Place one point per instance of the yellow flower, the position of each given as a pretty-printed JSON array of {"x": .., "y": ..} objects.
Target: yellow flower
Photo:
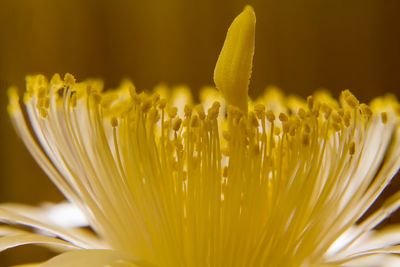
[{"x": 162, "y": 181}]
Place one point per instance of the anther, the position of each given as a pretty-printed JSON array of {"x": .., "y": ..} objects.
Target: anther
[
  {"x": 259, "y": 109},
  {"x": 366, "y": 110},
  {"x": 162, "y": 103},
  {"x": 200, "y": 111},
  {"x": 41, "y": 92},
  {"x": 176, "y": 124},
  {"x": 305, "y": 139},
  {"x": 336, "y": 126},
  {"x": 187, "y": 110},
  {"x": 146, "y": 105},
  {"x": 56, "y": 80},
  {"x": 307, "y": 128},
  {"x": 156, "y": 98},
  {"x": 96, "y": 98},
  {"x": 352, "y": 148},
  {"x": 316, "y": 108},
  {"x": 253, "y": 119},
  {"x": 347, "y": 118},
  {"x": 336, "y": 117},
  {"x": 172, "y": 111},
  {"x": 255, "y": 150},
  {"x": 225, "y": 151},
  {"x": 270, "y": 116},
  {"x": 45, "y": 102},
  {"x": 277, "y": 131},
  {"x": 293, "y": 129},
  {"x": 216, "y": 105},
  {"x": 153, "y": 115},
  {"x": 397, "y": 110},
  {"x": 195, "y": 122},
  {"x": 302, "y": 113},
  {"x": 213, "y": 113},
  {"x": 283, "y": 117},
  {"x": 327, "y": 111},
  {"x": 286, "y": 126},
  {"x": 114, "y": 122},
  {"x": 384, "y": 117},
  {"x": 350, "y": 99},
  {"x": 43, "y": 112},
  {"x": 69, "y": 80}
]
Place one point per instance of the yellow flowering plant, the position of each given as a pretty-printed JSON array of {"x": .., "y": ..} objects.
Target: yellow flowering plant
[{"x": 166, "y": 182}]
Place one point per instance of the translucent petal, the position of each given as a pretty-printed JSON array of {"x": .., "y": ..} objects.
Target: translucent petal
[
  {"x": 62, "y": 214},
  {"x": 74, "y": 236},
  {"x": 84, "y": 258},
  {"x": 25, "y": 239}
]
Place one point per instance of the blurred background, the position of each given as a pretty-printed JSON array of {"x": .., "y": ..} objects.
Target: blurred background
[{"x": 300, "y": 46}]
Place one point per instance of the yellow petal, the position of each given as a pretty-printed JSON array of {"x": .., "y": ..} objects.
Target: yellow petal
[{"x": 233, "y": 69}]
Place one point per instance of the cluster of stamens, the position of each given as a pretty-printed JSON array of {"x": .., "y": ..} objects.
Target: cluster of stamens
[{"x": 202, "y": 171}]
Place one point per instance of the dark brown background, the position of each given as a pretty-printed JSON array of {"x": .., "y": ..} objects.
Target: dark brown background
[{"x": 301, "y": 45}]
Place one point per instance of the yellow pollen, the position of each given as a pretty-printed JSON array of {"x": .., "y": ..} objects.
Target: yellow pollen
[
  {"x": 96, "y": 97},
  {"x": 259, "y": 109},
  {"x": 350, "y": 99},
  {"x": 195, "y": 122},
  {"x": 114, "y": 122},
  {"x": 286, "y": 126},
  {"x": 176, "y": 124},
  {"x": 172, "y": 112},
  {"x": 200, "y": 111},
  {"x": 69, "y": 80},
  {"x": 305, "y": 139},
  {"x": 336, "y": 127},
  {"x": 283, "y": 117},
  {"x": 384, "y": 117},
  {"x": 43, "y": 112},
  {"x": 270, "y": 116},
  {"x": 336, "y": 117},
  {"x": 366, "y": 110},
  {"x": 188, "y": 111},
  {"x": 302, "y": 113},
  {"x": 352, "y": 148},
  {"x": 277, "y": 131},
  {"x": 162, "y": 103}
]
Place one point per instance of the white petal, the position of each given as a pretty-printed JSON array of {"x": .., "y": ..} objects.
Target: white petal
[
  {"x": 63, "y": 214},
  {"x": 375, "y": 261},
  {"x": 373, "y": 240},
  {"x": 343, "y": 241},
  {"x": 25, "y": 239},
  {"x": 75, "y": 236},
  {"x": 86, "y": 258},
  {"x": 363, "y": 254}
]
